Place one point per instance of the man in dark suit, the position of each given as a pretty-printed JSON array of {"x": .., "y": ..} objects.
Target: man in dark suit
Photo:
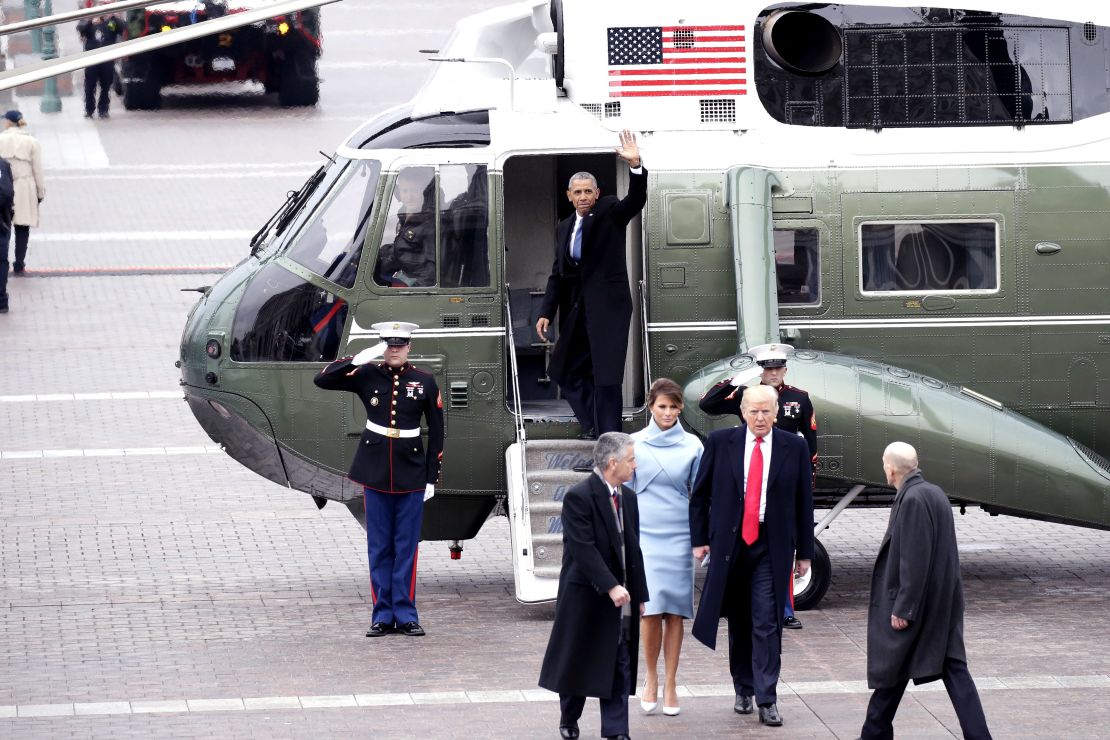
[
  {"x": 795, "y": 414},
  {"x": 602, "y": 590},
  {"x": 588, "y": 288},
  {"x": 752, "y": 507},
  {"x": 915, "y": 621}
]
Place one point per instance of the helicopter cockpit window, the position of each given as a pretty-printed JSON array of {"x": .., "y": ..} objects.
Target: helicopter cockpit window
[
  {"x": 797, "y": 266},
  {"x": 435, "y": 233},
  {"x": 407, "y": 258},
  {"x": 463, "y": 219},
  {"x": 284, "y": 318},
  {"x": 946, "y": 257},
  {"x": 330, "y": 245}
]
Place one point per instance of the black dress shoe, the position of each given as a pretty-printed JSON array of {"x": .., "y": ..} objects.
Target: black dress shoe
[
  {"x": 792, "y": 623},
  {"x": 743, "y": 705},
  {"x": 379, "y": 629},
  {"x": 568, "y": 730},
  {"x": 617, "y": 737},
  {"x": 590, "y": 435},
  {"x": 769, "y": 715},
  {"x": 412, "y": 629}
]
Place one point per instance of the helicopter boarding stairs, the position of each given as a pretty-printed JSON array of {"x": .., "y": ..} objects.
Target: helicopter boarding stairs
[{"x": 539, "y": 473}]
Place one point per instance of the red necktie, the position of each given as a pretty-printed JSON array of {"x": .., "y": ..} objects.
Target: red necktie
[{"x": 750, "y": 529}]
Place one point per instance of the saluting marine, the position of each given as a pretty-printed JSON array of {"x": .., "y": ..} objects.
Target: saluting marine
[
  {"x": 392, "y": 465},
  {"x": 795, "y": 411}
]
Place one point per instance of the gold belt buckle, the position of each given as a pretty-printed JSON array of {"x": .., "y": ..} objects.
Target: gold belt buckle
[{"x": 393, "y": 433}]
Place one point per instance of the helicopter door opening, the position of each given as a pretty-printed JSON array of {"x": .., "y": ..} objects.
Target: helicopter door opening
[{"x": 534, "y": 202}]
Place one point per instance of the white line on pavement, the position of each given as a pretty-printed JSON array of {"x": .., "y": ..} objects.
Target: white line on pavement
[
  {"x": 105, "y": 396},
  {"x": 143, "y": 236},
  {"x": 111, "y": 452},
  {"x": 507, "y": 696}
]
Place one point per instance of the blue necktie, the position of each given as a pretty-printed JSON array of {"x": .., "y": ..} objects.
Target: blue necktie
[{"x": 576, "y": 241}]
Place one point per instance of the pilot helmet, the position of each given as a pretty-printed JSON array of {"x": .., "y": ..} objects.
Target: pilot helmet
[{"x": 395, "y": 333}]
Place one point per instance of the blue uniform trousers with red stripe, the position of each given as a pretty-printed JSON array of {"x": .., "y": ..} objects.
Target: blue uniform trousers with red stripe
[{"x": 392, "y": 538}]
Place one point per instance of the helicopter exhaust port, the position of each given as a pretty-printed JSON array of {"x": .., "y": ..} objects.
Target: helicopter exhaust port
[
  {"x": 802, "y": 42},
  {"x": 456, "y": 549}
]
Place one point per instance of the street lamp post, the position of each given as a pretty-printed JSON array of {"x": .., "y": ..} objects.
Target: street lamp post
[
  {"x": 31, "y": 10},
  {"x": 50, "y": 103}
]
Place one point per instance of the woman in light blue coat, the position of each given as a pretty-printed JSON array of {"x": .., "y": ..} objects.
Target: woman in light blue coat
[{"x": 667, "y": 459}]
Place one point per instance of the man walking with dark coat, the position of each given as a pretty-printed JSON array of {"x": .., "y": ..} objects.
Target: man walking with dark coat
[
  {"x": 602, "y": 589},
  {"x": 588, "y": 288},
  {"x": 751, "y": 510},
  {"x": 915, "y": 622}
]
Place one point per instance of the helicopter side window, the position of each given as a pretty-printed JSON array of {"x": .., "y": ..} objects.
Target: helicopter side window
[
  {"x": 948, "y": 257},
  {"x": 407, "y": 258},
  {"x": 284, "y": 318},
  {"x": 463, "y": 218},
  {"x": 797, "y": 266},
  {"x": 331, "y": 244}
]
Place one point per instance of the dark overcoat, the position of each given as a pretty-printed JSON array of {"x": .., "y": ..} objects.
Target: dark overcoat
[
  {"x": 593, "y": 296},
  {"x": 916, "y": 577},
  {"x": 717, "y": 505},
  {"x": 582, "y": 651}
]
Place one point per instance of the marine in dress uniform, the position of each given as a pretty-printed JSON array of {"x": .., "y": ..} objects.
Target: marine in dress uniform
[
  {"x": 795, "y": 412},
  {"x": 397, "y": 472}
]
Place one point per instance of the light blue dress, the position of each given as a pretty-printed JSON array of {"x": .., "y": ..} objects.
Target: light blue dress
[{"x": 666, "y": 462}]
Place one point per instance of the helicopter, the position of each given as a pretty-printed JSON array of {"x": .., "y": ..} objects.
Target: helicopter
[{"x": 916, "y": 198}]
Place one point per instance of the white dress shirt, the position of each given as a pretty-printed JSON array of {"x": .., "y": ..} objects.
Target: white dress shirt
[{"x": 765, "y": 448}]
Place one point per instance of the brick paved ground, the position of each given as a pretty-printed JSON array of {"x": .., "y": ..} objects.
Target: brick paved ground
[{"x": 179, "y": 595}]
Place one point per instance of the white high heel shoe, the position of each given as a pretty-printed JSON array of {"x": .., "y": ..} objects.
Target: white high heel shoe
[
  {"x": 672, "y": 711},
  {"x": 647, "y": 706}
]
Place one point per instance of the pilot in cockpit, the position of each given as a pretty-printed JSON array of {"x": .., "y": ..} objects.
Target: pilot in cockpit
[{"x": 410, "y": 260}]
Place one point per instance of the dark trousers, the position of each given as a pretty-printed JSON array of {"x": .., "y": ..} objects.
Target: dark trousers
[
  {"x": 961, "y": 690},
  {"x": 22, "y": 235},
  {"x": 597, "y": 408},
  {"x": 614, "y": 710},
  {"x": 392, "y": 540},
  {"x": 98, "y": 74},
  {"x": 754, "y": 629},
  {"x": 5, "y": 238}
]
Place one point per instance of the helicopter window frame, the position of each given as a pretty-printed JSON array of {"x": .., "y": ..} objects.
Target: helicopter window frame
[
  {"x": 814, "y": 277},
  {"x": 373, "y": 169},
  {"x": 444, "y": 203},
  {"x": 995, "y": 260}
]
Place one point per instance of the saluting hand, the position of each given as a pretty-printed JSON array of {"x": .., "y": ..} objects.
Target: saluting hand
[{"x": 629, "y": 150}]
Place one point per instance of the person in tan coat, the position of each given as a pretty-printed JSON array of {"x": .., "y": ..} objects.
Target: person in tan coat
[{"x": 22, "y": 152}]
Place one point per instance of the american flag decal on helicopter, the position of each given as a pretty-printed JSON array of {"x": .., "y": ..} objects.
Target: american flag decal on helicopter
[{"x": 664, "y": 61}]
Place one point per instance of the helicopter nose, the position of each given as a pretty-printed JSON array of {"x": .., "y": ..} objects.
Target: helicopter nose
[{"x": 232, "y": 422}]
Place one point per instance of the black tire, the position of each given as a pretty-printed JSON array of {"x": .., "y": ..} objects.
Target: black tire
[
  {"x": 298, "y": 83},
  {"x": 809, "y": 591},
  {"x": 142, "y": 89}
]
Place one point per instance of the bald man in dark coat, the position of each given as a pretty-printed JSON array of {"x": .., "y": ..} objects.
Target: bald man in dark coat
[{"x": 915, "y": 622}]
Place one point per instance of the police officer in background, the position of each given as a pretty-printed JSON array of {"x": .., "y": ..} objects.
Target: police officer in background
[
  {"x": 95, "y": 33},
  {"x": 393, "y": 466},
  {"x": 795, "y": 412}
]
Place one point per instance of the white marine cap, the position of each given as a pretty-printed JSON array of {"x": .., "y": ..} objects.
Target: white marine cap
[
  {"x": 395, "y": 332},
  {"x": 771, "y": 355}
]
